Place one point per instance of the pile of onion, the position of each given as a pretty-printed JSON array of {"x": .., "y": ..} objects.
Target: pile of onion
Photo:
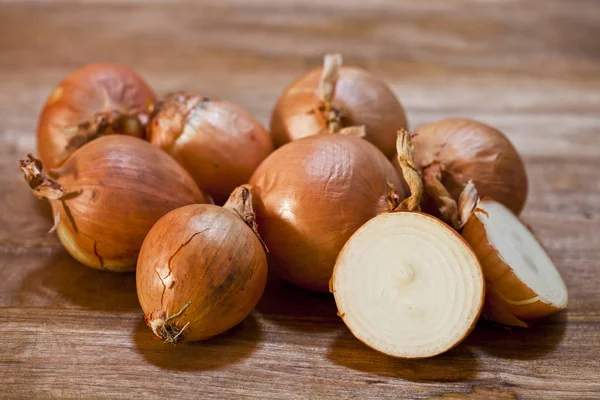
[
  {"x": 405, "y": 283},
  {"x": 202, "y": 269},
  {"x": 452, "y": 152},
  {"x": 522, "y": 282},
  {"x": 98, "y": 99},
  {"x": 312, "y": 194},
  {"x": 108, "y": 194},
  {"x": 332, "y": 97},
  {"x": 217, "y": 142}
]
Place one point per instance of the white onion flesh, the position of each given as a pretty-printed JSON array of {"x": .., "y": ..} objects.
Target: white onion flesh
[{"x": 407, "y": 285}]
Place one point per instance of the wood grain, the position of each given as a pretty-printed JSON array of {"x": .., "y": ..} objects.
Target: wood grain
[{"x": 530, "y": 68}]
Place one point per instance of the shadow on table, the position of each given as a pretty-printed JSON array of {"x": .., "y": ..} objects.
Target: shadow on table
[
  {"x": 520, "y": 343},
  {"x": 458, "y": 364},
  {"x": 298, "y": 309},
  {"x": 63, "y": 281},
  {"x": 228, "y": 348}
]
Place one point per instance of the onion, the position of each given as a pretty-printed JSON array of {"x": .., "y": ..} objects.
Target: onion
[
  {"x": 452, "y": 152},
  {"x": 202, "y": 269},
  {"x": 405, "y": 283},
  {"x": 311, "y": 195},
  {"x": 523, "y": 283},
  {"x": 217, "y": 142},
  {"x": 95, "y": 100},
  {"x": 332, "y": 97},
  {"x": 107, "y": 196}
]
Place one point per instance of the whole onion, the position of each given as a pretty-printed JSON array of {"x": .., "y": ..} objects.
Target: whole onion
[
  {"x": 202, "y": 269},
  {"x": 94, "y": 100},
  {"x": 452, "y": 152},
  {"x": 333, "y": 97},
  {"x": 310, "y": 197},
  {"x": 217, "y": 142},
  {"x": 107, "y": 196}
]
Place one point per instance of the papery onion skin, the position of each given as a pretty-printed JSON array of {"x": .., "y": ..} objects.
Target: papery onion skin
[
  {"x": 503, "y": 283},
  {"x": 86, "y": 92},
  {"x": 119, "y": 186},
  {"x": 311, "y": 195},
  {"x": 362, "y": 98},
  {"x": 217, "y": 142},
  {"x": 205, "y": 255},
  {"x": 470, "y": 150}
]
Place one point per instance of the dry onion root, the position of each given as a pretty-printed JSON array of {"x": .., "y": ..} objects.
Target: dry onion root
[
  {"x": 312, "y": 194},
  {"x": 405, "y": 283},
  {"x": 108, "y": 194},
  {"x": 522, "y": 282},
  {"x": 95, "y": 100},
  {"x": 202, "y": 269},
  {"x": 333, "y": 97},
  {"x": 217, "y": 142},
  {"x": 452, "y": 152}
]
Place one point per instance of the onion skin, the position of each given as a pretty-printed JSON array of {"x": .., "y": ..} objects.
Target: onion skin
[
  {"x": 362, "y": 98},
  {"x": 80, "y": 97},
  {"x": 205, "y": 255},
  {"x": 469, "y": 150},
  {"x": 311, "y": 195},
  {"x": 503, "y": 283},
  {"x": 118, "y": 187},
  {"x": 217, "y": 142}
]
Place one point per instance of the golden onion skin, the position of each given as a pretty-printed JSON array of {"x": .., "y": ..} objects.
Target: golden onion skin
[
  {"x": 86, "y": 92},
  {"x": 469, "y": 150},
  {"x": 362, "y": 98},
  {"x": 311, "y": 195}
]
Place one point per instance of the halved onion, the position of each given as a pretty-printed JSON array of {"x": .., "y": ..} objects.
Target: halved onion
[{"x": 523, "y": 283}]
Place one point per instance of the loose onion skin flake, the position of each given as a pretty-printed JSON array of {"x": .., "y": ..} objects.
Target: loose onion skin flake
[
  {"x": 217, "y": 142},
  {"x": 523, "y": 283},
  {"x": 201, "y": 270},
  {"x": 108, "y": 194},
  {"x": 452, "y": 152},
  {"x": 92, "y": 101},
  {"x": 333, "y": 97},
  {"x": 311, "y": 195},
  {"x": 405, "y": 283}
]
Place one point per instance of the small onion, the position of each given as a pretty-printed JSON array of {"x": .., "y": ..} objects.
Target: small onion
[
  {"x": 202, "y": 269},
  {"x": 405, "y": 283},
  {"x": 108, "y": 194},
  {"x": 332, "y": 97},
  {"x": 311, "y": 195},
  {"x": 452, "y": 152},
  {"x": 217, "y": 142},
  {"x": 95, "y": 100}
]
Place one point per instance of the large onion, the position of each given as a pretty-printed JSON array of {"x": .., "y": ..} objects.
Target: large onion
[
  {"x": 95, "y": 100},
  {"x": 107, "y": 196},
  {"x": 217, "y": 142},
  {"x": 311, "y": 195},
  {"x": 333, "y": 97},
  {"x": 452, "y": 152},
  {"x": 201, "y": 270}
]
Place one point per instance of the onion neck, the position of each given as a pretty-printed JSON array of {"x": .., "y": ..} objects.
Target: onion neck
[
  {"x": 41, "y": 184},
  {"x": 406, "y": 150},
  {"x": 432, "y": 176},
  {"x": 240, "y": 202},
  {"x": 326, "y": 114}
]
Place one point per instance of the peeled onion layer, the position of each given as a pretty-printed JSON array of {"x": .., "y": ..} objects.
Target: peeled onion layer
[
  {"x": 524, "y": 282},
  {"x": 201, "y": 271},
  {"x": 408, "y": 286}
]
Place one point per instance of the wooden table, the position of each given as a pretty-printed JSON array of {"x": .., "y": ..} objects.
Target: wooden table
[{"x": 531, "y": 68}]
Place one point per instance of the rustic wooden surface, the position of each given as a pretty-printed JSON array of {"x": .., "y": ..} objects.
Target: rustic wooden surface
[{"x": 531, "y": 68}]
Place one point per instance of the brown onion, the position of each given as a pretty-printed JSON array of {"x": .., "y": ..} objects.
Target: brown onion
[
  {"x": 107, "y": 196},
  {"x": 405, "y": 283},
  {"x": 311, "y": 195},
  {"x": 95, "y": 100},
  {"x": 332, "y": 97},
  {"x": 452, "y": 152},
  {"x": 217, "y": 142},
  {"x": 201, "y": 270}
]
